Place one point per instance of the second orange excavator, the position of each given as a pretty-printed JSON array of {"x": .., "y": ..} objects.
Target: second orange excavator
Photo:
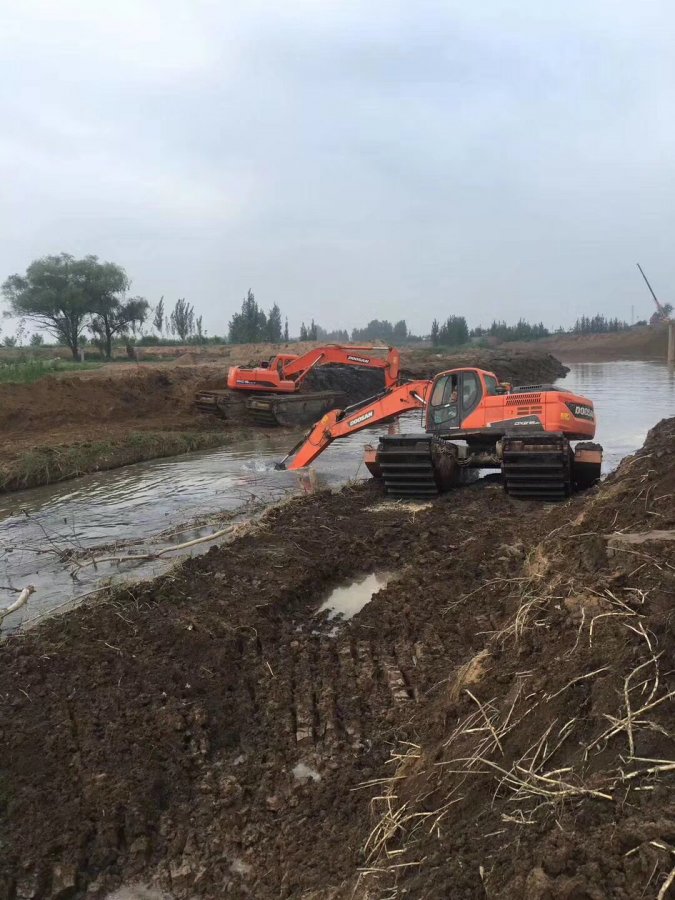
[
  {"x": 472, "y": 421},
  {"x": 277, "y": 385}
]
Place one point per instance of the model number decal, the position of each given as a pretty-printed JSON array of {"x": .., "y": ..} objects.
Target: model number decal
[
  {"x": 363, "y": 418},
  {"x": 360, "y": 359}
]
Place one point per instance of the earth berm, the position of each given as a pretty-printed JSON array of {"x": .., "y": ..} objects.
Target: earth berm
[{"x": 496, "y": 722}]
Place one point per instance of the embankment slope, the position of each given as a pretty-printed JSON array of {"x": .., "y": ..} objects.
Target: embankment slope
[
  {"x": 640, "y": 342},
  {"x": 496, "y": 720}
]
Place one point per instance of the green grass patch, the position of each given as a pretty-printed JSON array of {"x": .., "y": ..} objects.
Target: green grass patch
[
  {"x": 47, "y": 465},
  {"x": 31, "y": 370}
]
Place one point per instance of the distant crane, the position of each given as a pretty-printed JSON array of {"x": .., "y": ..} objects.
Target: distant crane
[
  {"x": 662, "y": 313},
  {"x": 662, "y": 317}
]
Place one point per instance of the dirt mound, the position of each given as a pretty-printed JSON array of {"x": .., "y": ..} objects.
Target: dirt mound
[
  {"x": 518, "y": 367},
  {"x": 357, "y": 384},
  {"x": 74, "y": 400}
]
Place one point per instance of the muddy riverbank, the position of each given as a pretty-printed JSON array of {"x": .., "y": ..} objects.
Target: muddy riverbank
[
  {"x": 641, "y": 342},
  {"x": 67, "y": 425},
  {"x": 495, "y": 721}
]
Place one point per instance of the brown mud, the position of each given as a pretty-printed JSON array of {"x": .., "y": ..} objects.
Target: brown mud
[
  {"x": 65, "y": 425},
  {"x": 496, "y": 722}
]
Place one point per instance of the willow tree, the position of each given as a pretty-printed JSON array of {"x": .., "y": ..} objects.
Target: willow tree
[
  {"x": 52, "y": 294},
  {"x": 63, "y": 295}
]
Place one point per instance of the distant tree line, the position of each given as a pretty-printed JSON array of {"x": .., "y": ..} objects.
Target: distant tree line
[
  {"x": 382, "y": 330},
  {"x": 521, "y": 331},
  {"x": 82, "y": 300},
  {"x": 252, "y": 325},
  {"x": 452, "y": 333},
  {"x": 598, "y": 324}
]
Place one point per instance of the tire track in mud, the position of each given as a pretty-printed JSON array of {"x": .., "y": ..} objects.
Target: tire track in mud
[{"x": 221, "y": 686}]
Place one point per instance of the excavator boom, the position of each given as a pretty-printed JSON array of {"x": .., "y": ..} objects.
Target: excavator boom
[
  {"x": 286, "y": 372},
  {"x": 340, "y": 423}
]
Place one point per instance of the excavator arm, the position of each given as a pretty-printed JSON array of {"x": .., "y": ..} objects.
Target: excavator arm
[
  {"x": 341, "y": 423},
  {"x": 285, "y": 373},
  {"x": 299, "y": 368}
]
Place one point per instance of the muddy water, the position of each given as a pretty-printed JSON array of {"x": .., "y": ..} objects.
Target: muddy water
[
  {"x": 152, "y": 505},
  {"x": 144, "y": 508}
]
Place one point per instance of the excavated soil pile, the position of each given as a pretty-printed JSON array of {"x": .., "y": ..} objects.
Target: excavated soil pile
[
  {"x": 357, "y": 384},
  {"x": 494, "y": 722},
  {"x": 519, "y": 367},
  {"x": 61, "y": 427}
]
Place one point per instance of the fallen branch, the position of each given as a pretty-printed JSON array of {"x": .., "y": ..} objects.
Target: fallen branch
[
  {"x": 172, "y": 548},
  {"x": 20, "y": 601}
]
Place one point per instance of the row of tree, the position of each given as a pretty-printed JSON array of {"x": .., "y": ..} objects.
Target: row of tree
[
  {"x": 521, "y": 331},
  {"x": 252, "y": 325},
  {"x": 181, "y": 322},
  {"x": 65, "y": 297},
  {"x": 598, "y": 325},
  {"x": 452, "y": 333}
]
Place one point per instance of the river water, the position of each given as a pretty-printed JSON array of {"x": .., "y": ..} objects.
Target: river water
[{"x": 152, "y": 505}]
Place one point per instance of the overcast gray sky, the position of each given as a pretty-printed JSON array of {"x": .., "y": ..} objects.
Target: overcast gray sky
[{"x": 347, "y": 160}]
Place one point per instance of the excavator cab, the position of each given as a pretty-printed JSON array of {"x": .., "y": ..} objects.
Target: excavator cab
[{"x": 454, "y": 396}]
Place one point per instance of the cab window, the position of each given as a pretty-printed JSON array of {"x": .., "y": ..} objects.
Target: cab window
[
  {"x": 470, "y": 389},
  {"x": 444, "y": 407},
  {"x": 491, "y": 385},
  {"x": 445, "y": 388}
]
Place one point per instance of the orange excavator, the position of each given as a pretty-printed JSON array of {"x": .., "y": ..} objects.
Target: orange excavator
[
  {"x": 276, "y": 385},
  {"x": 472, "y": 421}
]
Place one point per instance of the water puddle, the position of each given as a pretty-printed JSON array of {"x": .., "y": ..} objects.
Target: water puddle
[{"x": 347, "y": 600}]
